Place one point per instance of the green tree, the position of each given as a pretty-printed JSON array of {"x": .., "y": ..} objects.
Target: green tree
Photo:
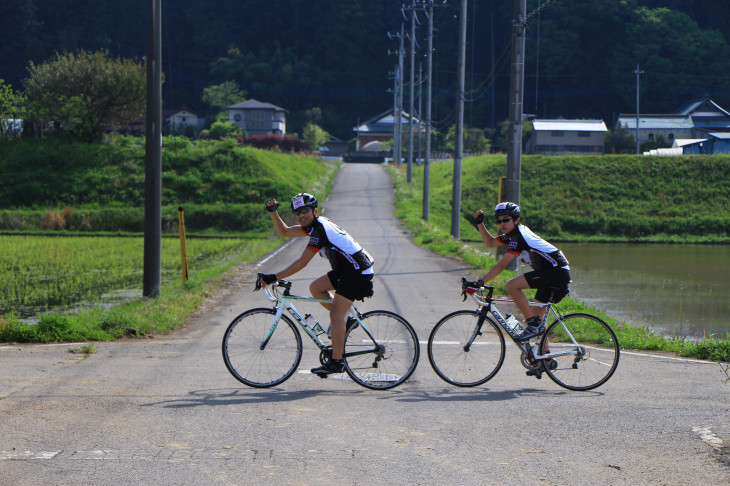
[
  {"x": 86, "y": 92},
  {"x": 619, "y": 141},
  {"x": 221, "y": 96},
  {"x": 11, "y": 107},
  {"x": 315, "y": 136},
  {"x": 222, "y": 129}
]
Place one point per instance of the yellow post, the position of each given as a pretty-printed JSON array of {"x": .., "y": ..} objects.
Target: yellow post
[{"x": 183, "y": 251}]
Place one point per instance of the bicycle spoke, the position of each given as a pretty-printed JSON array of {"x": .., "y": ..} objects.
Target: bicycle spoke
[
  {"x": 455, "y": 360},
  {"x": 391, "y": 359},
  {"x": 254, "y": 366},
  {"x": 593, "y": 363}
]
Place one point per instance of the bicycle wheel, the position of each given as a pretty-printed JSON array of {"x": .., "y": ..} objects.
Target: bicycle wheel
[
  {"x": 383, "y": 352},
  {"x": 458, "y": 364},
  {"x": 589, "y": 365},
  {"x": 258, "y": 366}
]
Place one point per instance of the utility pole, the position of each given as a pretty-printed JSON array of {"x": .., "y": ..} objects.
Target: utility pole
[
  {"x": 456, "y": 190},
  {"x": 429, "y": 71},
  {"x": 398, "y": 99},
  {"x": 517, "y": 83},
  {"x": 153, "y": 155},
  {"x": 410, "y": 93},
  {"x": 638, "y": 73}
]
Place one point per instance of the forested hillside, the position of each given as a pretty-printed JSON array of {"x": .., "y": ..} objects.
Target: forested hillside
[{"x": 335, "y": 54}]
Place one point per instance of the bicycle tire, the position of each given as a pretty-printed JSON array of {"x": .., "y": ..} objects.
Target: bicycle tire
[
  {"x": 393, "y": 357},
  {"x": 457, "y": 365},
  {"x": 599, "y": 352},
  {"x": 256, "y": 367}
]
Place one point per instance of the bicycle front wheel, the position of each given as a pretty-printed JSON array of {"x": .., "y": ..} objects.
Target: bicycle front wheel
[
  {"x": 383, "y": 352},
  {"x": 587, "y": 365},
  {"x": 463, "y": 355},
  {"x": 258, "y": 361}
]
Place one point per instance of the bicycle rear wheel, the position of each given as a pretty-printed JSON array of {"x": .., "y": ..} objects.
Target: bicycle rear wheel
[
  {"x": 459, "y": 364},
  {"x": 591, "y": 363},
  {"x": 254, "y": 362},
  {"x": 383, "y": 352}
]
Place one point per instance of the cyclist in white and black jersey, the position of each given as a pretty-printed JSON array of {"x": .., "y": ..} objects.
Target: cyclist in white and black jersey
[
  {"x": 550, "y": 267},
  {"x": 352, "y": 268}
]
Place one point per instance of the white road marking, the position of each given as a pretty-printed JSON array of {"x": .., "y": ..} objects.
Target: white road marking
[
  {"x": 273, "y": 254},
  {"x": 708, "y": 437}
]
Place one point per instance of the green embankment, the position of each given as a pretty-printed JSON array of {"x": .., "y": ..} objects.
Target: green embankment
[
  {"x": 61, "y": 189},
  {"x": 597, "y": 198}
]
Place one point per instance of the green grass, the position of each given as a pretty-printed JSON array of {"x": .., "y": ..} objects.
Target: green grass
[
  {"x": 147, "y": 316},
  {"x": 594, "y": 198},
  {"x": 435, "y": 235}
]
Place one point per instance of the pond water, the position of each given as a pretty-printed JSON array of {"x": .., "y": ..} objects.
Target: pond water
[{"x": 676, "y": 290}]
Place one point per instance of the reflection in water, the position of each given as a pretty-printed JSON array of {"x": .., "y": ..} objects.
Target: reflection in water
[{"x": 678, "y": 290}]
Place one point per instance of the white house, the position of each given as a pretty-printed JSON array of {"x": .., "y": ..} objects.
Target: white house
[
  {"x": 258, "y": 118},
  {"x": 561, "y": 137},
  {"x": 177, "y": 121}
]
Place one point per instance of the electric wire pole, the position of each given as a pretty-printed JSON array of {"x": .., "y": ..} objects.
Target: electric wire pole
[
  {"x": 411, "y": 91},
  {"x": 429, "y": 71},
  {"x": 517, "y": 82},
  {"x": 638, "y": 73},
  {"x": 153, "y": 155},
  {"x": 456, "y": 189}
]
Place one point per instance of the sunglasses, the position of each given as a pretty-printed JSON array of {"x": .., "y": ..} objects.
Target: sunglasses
[
  {"x": 505, "y": 220},
  {"x": 301, "y": 211}
]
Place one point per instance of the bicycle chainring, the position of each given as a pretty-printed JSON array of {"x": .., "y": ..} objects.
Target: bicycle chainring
[
  {"x": 325, "y": 356},
  {"x": 532, "y": 366}
]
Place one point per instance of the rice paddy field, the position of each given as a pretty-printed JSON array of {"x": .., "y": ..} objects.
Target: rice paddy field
[{"x": 61, "y": 274}]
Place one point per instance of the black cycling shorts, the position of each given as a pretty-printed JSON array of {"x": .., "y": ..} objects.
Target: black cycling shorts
[
  {"x": 545, "y": 280},
  {"x": 351, "y": 285}
]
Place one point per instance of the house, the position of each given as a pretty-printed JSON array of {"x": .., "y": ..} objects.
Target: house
[
  {"x": 694, "y": 120},
  {"x": 258, "y": 118},
  {"x": 561, "y": 137},
  {"x": 715, "y": 143},
  {"x": 182, "y": 120},
  {"x": 380, "y": 128},
  {"x": 334, "y": 147}
]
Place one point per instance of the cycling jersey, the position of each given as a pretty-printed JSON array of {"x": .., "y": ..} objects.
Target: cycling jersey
[
  {"x": 533, "y": 250},
  {"x": 341, "y": 249}
]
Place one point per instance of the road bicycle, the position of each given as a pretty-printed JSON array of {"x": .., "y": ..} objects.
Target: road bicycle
[
  {"x": 262, "y": 347},
  {"x": 466, "y": 348}
]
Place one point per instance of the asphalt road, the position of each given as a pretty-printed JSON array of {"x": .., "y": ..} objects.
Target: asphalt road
[{"x": 165, "y": 410}]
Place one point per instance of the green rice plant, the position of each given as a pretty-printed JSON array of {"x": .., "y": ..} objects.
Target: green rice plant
[{"x": 40, "y": 273}]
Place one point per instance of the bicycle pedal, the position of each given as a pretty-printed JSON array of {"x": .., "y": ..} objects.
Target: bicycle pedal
[{"x": 535, "y": 373}]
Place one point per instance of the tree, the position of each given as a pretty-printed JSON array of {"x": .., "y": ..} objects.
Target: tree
[
  {"x": 221, "y": 96},
  {"x": 11, "y": 108},
  {"x": 315, "y": 136},
  {"x": 619, "y": 141},
  {"x": 222, "y": 129},
  {"x": 86, "y": 92}
]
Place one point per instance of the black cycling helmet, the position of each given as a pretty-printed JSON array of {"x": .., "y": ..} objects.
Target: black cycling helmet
[
  {"x": 302, "y": 200},
  {"x": 507, "y": 208}
]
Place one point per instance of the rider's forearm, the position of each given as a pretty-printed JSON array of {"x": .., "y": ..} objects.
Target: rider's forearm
[
  {"x": 489, "y": 240},
  {"x": 279, "y": 225}
]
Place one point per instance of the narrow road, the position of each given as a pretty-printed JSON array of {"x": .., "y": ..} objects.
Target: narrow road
[{"x": 164, "y": 410}]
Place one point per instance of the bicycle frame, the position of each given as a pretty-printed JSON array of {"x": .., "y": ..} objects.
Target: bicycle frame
[
  {"x": 486, "y": 306},
  {"x": 283, "y": 301}
]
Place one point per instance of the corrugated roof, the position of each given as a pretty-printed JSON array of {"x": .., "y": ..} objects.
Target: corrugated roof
[
  {"x": 648, "y": 122},
  {"x": 255, "y": 105},
  {"x": 570, "y": 125}
]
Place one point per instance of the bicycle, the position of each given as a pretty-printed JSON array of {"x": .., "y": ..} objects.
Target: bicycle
[
  {"x": 262, "y": 347},
  {"x": 466, "y": 348}
]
